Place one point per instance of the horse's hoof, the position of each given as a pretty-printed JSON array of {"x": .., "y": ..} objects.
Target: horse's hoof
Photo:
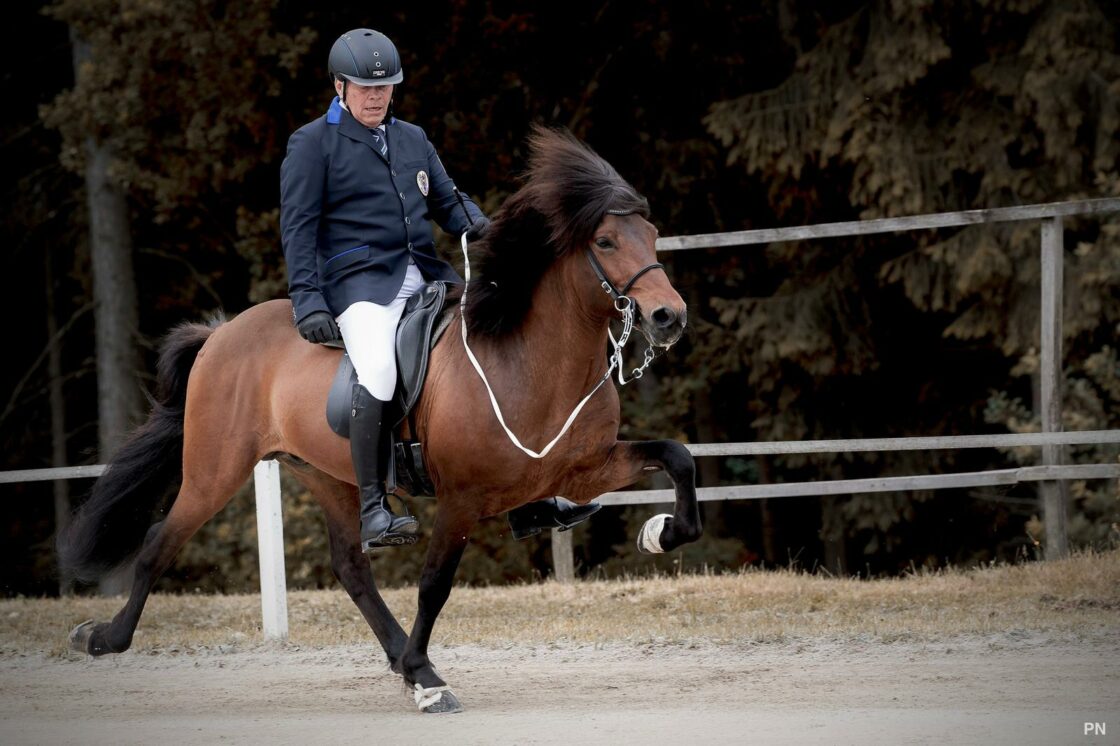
[
  {"x": 649, "y": 539},
  {"x": 80, "y": 636},
  {"x": 436, "y": 700}
]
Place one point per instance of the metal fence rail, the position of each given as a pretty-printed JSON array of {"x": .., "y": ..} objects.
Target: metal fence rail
[
  {"x": 946, "y": 442},
  {"x": 46, "y": 475},
  {"x": 890, "y": 225},
  {"x": 874, "y": 484}
]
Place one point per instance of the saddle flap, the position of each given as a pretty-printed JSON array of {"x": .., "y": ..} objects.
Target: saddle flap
[{"x": 415, "y": 342}]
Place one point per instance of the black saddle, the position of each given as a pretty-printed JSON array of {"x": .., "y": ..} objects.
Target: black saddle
[{"x": 421, "y": 326}]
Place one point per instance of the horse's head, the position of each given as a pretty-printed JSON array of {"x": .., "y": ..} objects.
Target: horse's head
[
  {"x": 573, "y": 206},
  {"x": 622, "y": 253}
]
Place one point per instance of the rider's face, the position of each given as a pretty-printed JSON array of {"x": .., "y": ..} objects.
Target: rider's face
[{"x": 368, "y": 103}]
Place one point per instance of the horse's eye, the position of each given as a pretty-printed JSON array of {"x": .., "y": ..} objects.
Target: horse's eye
[{"x": 604, "y": 243}]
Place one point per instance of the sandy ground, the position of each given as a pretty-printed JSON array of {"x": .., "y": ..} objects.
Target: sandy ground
[{"x": 1015, "y": 687}]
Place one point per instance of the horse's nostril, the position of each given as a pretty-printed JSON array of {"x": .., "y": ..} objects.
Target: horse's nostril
[{"x": 664, "y": 317}]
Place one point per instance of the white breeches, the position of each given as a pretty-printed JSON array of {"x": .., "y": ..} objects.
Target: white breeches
[{"x": 369, "y": 331}]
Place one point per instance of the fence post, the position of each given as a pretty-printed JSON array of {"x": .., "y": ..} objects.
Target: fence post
[
  {"x": 270, "y": 544},
  {"x": 563, "y": 558},
  {"x": 1054, "y": 494}
]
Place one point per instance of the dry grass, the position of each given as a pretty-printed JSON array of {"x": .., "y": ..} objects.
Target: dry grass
[{"x": 1080, "y": 595}]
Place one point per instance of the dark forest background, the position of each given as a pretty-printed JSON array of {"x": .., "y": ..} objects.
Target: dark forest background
[{"x": 173, "y": 116}]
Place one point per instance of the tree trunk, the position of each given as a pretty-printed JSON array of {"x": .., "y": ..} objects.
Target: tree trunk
[
  {"x": 114, "y": 296},
  {"x": 116, "y": 320}
]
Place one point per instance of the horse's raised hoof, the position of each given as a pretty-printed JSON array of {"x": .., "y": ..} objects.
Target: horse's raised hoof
[
  {"x": 649, "y": 539},
  {"x": 436, "y": 700},
  {"x": 80, "y": 636}
]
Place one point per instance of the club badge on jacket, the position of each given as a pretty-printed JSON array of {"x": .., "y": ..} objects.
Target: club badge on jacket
[{"x": 422, "y": 182}]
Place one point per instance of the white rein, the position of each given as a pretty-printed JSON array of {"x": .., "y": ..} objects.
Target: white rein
[{"x": 625, "y": 308}]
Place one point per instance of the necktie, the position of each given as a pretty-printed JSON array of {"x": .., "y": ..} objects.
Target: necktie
[{"x": 381, "y": 141}]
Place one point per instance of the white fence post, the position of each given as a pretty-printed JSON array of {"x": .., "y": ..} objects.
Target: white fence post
[{"x": 270, "y": 543}]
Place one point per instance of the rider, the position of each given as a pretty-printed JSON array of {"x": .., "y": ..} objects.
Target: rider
[{"x": 357, "y": 188}]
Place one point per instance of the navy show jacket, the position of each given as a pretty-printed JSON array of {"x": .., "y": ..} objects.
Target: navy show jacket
[{"x": 350, "y": 218}]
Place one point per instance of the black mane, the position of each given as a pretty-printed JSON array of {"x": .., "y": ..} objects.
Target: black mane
[{"x": 565, "y": 195}]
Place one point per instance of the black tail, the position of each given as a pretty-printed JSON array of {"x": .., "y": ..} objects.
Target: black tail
[{"x": 110, "y": 525}]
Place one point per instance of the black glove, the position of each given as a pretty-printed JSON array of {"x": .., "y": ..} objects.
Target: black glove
[
  {"x": 318, "y": 327},
  {"x": 478, "y": 229}
]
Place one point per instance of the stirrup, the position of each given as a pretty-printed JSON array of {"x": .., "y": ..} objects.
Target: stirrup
[
  {"x": 401, "y": 531},
  {"x": 388, "y": 540}
]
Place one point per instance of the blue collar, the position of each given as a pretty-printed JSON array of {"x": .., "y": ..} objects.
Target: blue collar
[{"x": 334, "y": 113}]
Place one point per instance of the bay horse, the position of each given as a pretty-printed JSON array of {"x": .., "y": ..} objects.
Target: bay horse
[{"x": 232, "y": 393}]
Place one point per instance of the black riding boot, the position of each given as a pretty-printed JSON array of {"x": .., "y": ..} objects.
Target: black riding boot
[
  {"x": 368, "y": 449},
  {"x": 554, "y": 512}
]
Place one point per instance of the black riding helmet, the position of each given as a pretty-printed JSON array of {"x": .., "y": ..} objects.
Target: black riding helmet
[{"x": 365, "y": 57}]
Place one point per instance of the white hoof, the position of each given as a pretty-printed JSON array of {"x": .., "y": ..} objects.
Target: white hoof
[
  {"x": 79, "y": 637},
  {"x": 649, "y": 540},
  {"x": 436, "y": 700}
]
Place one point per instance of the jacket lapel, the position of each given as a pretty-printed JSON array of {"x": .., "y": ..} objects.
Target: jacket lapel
[{"x": 352, "y": 128}]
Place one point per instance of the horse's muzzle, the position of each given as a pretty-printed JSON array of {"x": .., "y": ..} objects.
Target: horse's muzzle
[{"x": 664, "y": 325}]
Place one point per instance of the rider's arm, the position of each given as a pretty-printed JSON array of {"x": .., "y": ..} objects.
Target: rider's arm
[
  {"x": 442, "y": 202},
  {"x": 302, "y": 178}
]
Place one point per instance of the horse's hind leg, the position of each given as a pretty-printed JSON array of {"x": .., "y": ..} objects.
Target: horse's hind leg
[
  {"x": 206, "y": 489},
  {"x": 449, "y": 539},
  {"x": 339, "y": 501}
]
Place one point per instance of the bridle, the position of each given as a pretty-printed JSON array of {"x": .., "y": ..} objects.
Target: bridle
[
  {"x": 605, "y": 282},
  {"x": 622, "y": 303}
]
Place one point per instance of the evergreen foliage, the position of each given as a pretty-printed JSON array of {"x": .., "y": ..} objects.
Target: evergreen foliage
[{"x": 915, "y": 107}]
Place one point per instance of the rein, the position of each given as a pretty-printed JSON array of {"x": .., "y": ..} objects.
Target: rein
[{"x": 622, "y": 303}]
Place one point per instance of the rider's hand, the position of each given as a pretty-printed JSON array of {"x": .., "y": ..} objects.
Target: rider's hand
[
  {"x": 318, "y": 327},
  {"x": 478, "y": 229}
]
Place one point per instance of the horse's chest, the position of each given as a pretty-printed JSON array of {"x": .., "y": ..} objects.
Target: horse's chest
[{"x": 572, "y": 477}]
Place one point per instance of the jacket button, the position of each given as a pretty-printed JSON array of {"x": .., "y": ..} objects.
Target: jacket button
[
  {"x": 410, "y": 246},
  {"x": 408, "y": 221},
  {"x": 402, "y": 196},
  {"x": 394, "y": 173}
]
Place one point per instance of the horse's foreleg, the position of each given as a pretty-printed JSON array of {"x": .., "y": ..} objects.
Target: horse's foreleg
[
  {"x": 339, "y": 501},
  {"x": 449, "y": 539},
  {"x": 662, "y": 533}
]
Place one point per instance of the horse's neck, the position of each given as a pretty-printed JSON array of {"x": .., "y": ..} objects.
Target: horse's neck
[{"x": 557, "y": 354}]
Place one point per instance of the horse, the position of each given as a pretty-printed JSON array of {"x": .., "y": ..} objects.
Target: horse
[{"x": 537, "y": 320}]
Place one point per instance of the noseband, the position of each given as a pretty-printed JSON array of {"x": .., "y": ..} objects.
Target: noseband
[{"x": 608, "y": 286}]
